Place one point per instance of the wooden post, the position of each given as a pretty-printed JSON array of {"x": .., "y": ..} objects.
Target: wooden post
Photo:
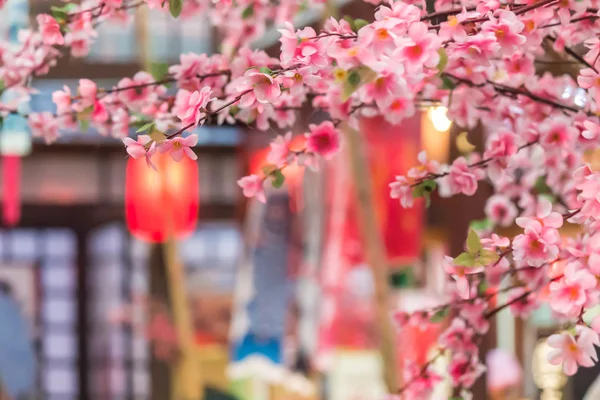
[
  {"x": 375, "y": 254},
  {"x": 187, "y": 379}
]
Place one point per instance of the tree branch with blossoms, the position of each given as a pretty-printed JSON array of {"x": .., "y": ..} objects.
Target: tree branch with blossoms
[{"x": 481, "y": 61}]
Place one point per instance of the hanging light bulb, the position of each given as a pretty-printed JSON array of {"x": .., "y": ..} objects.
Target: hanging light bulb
[{"x": 438, "y": 118}]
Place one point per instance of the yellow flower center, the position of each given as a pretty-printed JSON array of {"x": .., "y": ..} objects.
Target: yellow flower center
[
  {"x": 452, "y": 21},
  {"x": 340, "y": 74},
  {"x": 382, "y": 34}
]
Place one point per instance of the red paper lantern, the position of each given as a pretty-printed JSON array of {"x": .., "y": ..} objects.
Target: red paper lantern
[
  {"x": 11, "y": 182},
  {"x": 392, "y": 150},
  {"x": 161, "y": 203}
]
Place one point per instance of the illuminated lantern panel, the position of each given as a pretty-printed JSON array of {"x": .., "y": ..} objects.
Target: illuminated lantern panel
[
  {"x": 392, "y": 150},
  {"x": 164, "y": 202},
  {"x": 11, "y": 179}
]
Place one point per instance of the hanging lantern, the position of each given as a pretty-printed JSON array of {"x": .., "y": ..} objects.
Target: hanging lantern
[
  {"x": 11, "y": 181},
  {"x": 164, "y": 202},
  {"x": 392, "y": 150}
]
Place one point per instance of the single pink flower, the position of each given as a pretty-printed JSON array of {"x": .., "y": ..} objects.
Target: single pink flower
[
  {"x": 280, "y": 153},
  {"x": 544, "y": 217},
  {"x": 88, "y": 91},
  {"x": 572, "y": 293},
  {"x": 252, "y": 186},
  {"x": 501, "y": 210},
  {"x": 50, "y": 30},
  {"x": 99, "y": 114},
  {"x": 536, "y": 245},
  {"x": 179, "y": 147},
  {"x": 190, "y": 108},
  {"x": 573, "y": 351},
  {"x": 419, "y": 47},
  {"x": 62, "y": 99},
  {"x": 462, "y": 178},
  {"x": 323, "y": 139},
  {"x": 301, "y": 47},
  {"x": 401, "y": 189},
  {"x": 507, "y": 29},
  {"x": 264, "y": 88},
  {"x": 144, "y": 146}
]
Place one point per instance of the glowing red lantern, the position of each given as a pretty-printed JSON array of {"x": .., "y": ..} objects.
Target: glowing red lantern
[
  {"x": 392, "y": 150},
  {"x": 163, "y": 203},
  {"x": 11, "y": 182}
]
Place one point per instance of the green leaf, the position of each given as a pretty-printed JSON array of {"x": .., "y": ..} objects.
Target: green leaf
[
  {"x": 473, "y": 242},
  {"x": 429, "y": 185},
  {"x": 482, "y": 224},
  {"x": 443, "y": 60},
  {"x": 145, "y": 127},
  {"x": 175, "y": 7},
  {"x": 439, "y": 315},
  {"x": 359, "y": 23},
  {"x": 269, "y": 169},
  {"x": 84, "y": 125},
  {"x": 447, "y": 83},
  {"x": 465, "y": 260},
  {"x": 265, "y": 70},
  {"x": 541, "y": 186},
  {"x": 277, "y": 178},
  {"x": 60, "y": 16},
  {"x": 159, "y": 71},
  {"x": 487, "y": 257},
  {"x": 348, "y": 19},
  {"x": 356, "y": 78},
  {"x": 248, "y": 12}
]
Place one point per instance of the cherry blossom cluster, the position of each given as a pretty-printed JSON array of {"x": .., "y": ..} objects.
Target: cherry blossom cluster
[{"x": 482, "y": 60}]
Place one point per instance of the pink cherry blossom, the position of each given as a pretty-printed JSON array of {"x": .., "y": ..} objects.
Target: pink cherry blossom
[
  {"x": 501, "y": 210},
  {"x": 300, "y": 47},
  {"x": 401, "y": 189},
  {"x": 142, "y": 90},
  {"x": 252, "y": 186},
  {"x": 144, "y": 146},
  {"x": 323, "y": 139},
  {"x": 44, "y": 125},
  {"x": 280, "y": 153},
  {"x": 573, "y": 351},
  {"x": 570, "y": 294},
  {"x": 190, "y": 108},
  {"x": 50, "y": 30},
  {"x": 506, "y": 28},
  {"x": 62, "y": 99},
  {"x": 264, "y": 88},
  {"x": 536, "y": 245},
  {"x": 462, "y": 178},
  {"x": 465, "y": 369},
  {"x": 522, "y": 302},
  {"x": 425, "y": 168},
  {"x": 423, "y": 382},
  {"x": 179, "y": 147},
  {"x": 459, "y": 273},
  {"x": 458, "y": 337},
  {"x": 88, "y": 91},
  {"x": 419, "y": 48},
  {"x": 474, "y": 313}
]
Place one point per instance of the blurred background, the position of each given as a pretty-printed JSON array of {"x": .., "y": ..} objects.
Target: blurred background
[{"x": 279, "y": 296}]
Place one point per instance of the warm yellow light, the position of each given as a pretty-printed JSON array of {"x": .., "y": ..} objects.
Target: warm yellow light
[{"x": 438, "y": 118}]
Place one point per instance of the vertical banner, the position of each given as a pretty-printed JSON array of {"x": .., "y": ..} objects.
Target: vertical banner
[{"x": 264, "y": 295}]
